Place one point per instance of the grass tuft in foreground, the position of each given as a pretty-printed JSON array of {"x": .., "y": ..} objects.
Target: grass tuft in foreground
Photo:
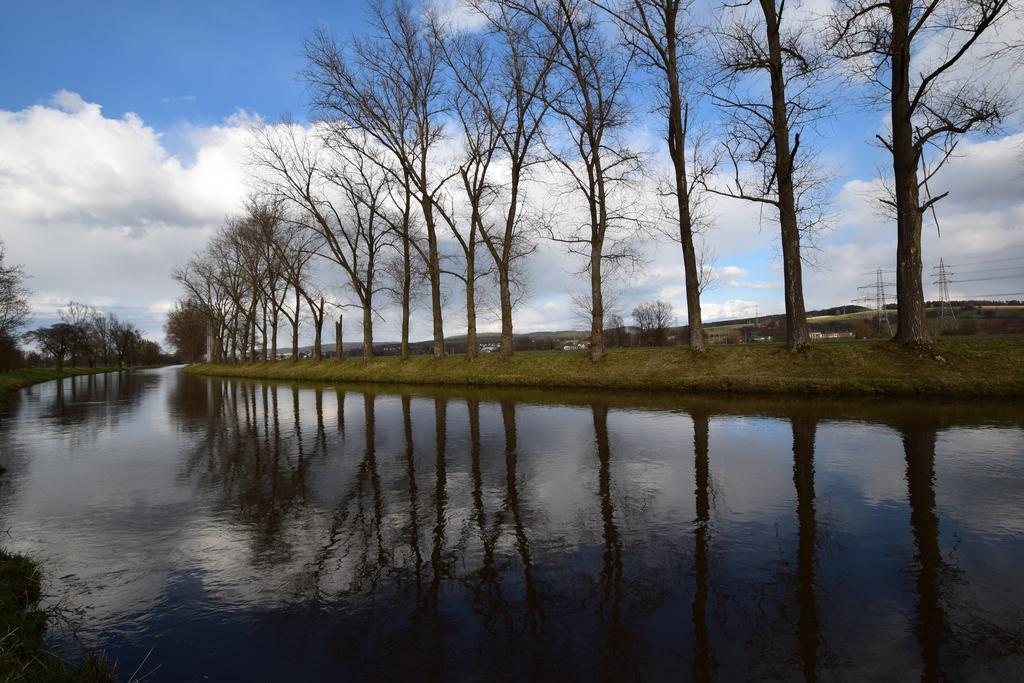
[
  {"x": 953, "y": 367},
  {"x": 22, "y": 625}
]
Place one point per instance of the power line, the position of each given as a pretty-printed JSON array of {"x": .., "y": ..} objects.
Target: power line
[
  {"x": 982, "y": 270},
  {"x": 989, "y": 279},
  {"x": 987, "y": 261}
]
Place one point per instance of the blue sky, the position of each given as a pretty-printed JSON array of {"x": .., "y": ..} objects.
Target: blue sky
[
  {"x": 196, "y": 63},
  {"x": 187, "y": 69},
  {"x": 148, "y": 57}
]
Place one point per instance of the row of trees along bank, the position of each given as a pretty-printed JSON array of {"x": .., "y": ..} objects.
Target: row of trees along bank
[{"x": 426, "y": 133}]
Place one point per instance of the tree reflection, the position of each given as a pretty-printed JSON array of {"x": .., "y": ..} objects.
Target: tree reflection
[
  {"x": 804, "y": 430},
  {"x": 704, "y": 658},
  {"x": 508, "y": 420},
  {"x": 614, "y": 649},
  {"x": 919, "y": 447}
]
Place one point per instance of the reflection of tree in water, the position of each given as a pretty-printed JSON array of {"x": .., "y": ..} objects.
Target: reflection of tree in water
[
  {"x": 803, "y": 477},
  {"x": 704, "y": 658},
  {"x": 75, "y": 410},
  {"x": 615, "y": 653},
  {"x": 243, "y": 451},
  {"x": 786, "y": 633},
  {"x": 435, "y": 547},
  {"x": 919, "y": 446}
]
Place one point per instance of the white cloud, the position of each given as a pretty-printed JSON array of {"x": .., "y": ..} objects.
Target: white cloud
[{"x": 99, "y": 210}]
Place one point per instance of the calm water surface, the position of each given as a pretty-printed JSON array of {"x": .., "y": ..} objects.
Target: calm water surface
[{"x": 248, "y": 531}]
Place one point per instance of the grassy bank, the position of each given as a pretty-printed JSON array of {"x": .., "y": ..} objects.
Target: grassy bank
[
  {"x": 23, "y": 656},
  {"x": 955, "y": 367},
  {"x": 19, "y": 379}
]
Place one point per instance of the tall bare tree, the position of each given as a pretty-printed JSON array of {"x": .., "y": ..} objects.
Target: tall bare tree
[
  {"x": 765, "y": 131},
  {"x": 911, "y": 52},
  {"x": 663, "y": 33},
  {"x": 366, "y": 191},
  {"x": 402, "y": 279},
  {"x": 390, "y": 87},
  {"x": 468, "y": 58},
  {"x": 507, "y": 76},
  {"x": 591, "y": 100}
]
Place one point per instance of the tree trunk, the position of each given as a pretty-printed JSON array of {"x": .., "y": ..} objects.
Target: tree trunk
[
  {"x": 367, "y": 329},
  {"x": 911, "y": 325},
  {"x": 295, "y": 329},
  {"x": 273, "y": 337},
  {"x": 339, "y": 347},
  {"x": 252, "y": 337},
  {"x": 406, "y": 294},
  {"x": 264, "y": 333},
  {"x": 677, "y": 124},
  {"x": 796, "y": 317},
  {"x": 318, "y": 321},
  {"x": 434, "y": 266},
  {"x": 596, "y": 305},
  {"x": 470, "y": 305},
  {"x": 505, "y": 291}
]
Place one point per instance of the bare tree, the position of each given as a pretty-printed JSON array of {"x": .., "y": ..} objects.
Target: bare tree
[
  {"x": 654, "y": 318},
  {"x": 127, "y": 341},
  {"x": 932, "y": 104},
  {"x": 339, "y": 192},
  {"x": 402, "y": 279},
  {"x": 185, "y": 329},
  {"x": 468, "y": 58},
  {"x": 14, "y": 308},
  {"x": 58, "y": 340},
  {"x": 506, "y": 76},
  {"x": 765, "y": 132},
  {"x": 663, "y": 33},
  {"x": 391, "y": 89},
  {"x": 203, "y": 287},
  {"x": 590, "y": 99}
]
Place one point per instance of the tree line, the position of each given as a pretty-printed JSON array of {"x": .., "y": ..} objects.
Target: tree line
[
  {"x": 431, "y": 146},
  {"x": 83, "y": 335}
]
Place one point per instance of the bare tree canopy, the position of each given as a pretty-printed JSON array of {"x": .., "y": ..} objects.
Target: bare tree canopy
[
  {"x": 390, "y": 88},
  {"x": 14, "y": 308},
  {"x": 654, "y": 318}
]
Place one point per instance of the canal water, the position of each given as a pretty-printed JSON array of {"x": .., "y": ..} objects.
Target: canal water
[{"x": 206, "y": 529}]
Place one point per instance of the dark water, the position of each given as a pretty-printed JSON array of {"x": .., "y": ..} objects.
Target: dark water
[{"x": 244, "y": 531}]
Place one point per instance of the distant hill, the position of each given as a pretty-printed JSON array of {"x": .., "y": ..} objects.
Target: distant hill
[{"x": 820, "y": 317}]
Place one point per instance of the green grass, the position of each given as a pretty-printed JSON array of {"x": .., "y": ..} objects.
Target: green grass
[
  {"x": 23, "y": 656},
  {"x": 19, "y": 379},
  {"x": 955, "y": 367},
  {"x": 22, "y": 625}
]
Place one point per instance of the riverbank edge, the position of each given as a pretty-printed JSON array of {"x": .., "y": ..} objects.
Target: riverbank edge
[
  {"x": 22, "y": 624},
  {"x": 976, "y": 367},
  {"x": 19, "y": 379}
]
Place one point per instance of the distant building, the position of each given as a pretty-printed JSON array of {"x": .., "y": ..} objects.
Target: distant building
[{"x": 831, "y": 335}]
